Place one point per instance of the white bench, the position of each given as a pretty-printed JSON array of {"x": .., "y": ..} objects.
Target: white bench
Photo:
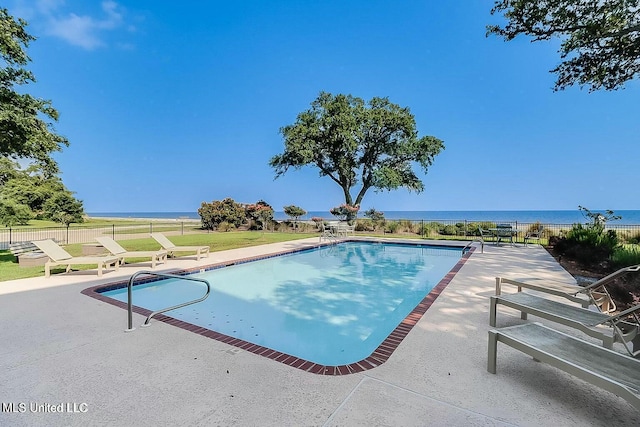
[
  {"x": 596, "y": 324},
  {"x": 604, "y": 368},
  {"x": 577, "y": 317}
]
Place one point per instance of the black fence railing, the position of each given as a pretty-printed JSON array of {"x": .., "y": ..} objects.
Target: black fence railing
[
  {"x": 437, "y": 229},
  {"x": 470, "y": 228},
  {"x": 87, "y": 234}
]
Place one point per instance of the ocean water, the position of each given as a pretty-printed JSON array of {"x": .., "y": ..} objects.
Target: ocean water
[{"x": 629, "y": 217}]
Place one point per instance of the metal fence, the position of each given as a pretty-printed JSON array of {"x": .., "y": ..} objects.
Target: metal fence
[
  {"x": 470, "y": 228},
  {"x": 87, "y": 234},
  {"x": 460, "y": 229}
]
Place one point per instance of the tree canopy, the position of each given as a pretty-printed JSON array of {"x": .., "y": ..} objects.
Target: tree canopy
[
  {"x": 260, "y": 212},
  {"x": 31, "y": 193},
  {"x": 26, "y": 132},
  {"x": 218, "y": 211},
  {"x": 600, "y": 45},
  {"x": 26, "y": 129},
  {"x": 294, "y": 211},
  {"x": 373, "y": 144}
]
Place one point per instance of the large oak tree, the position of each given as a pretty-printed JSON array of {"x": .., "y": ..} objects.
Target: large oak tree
[
  {"x": 26, "y": 132},
  {"x": 600, "y": 45},
  {"x": 26, "y": 122},
  {"x": 373, "y": 145}
]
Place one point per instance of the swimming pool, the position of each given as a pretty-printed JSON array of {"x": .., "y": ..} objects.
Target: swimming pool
[{"x": 331, "y": 306}]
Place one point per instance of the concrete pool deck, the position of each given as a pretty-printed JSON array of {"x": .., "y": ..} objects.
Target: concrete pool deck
[{"x": 62, "y": 347}]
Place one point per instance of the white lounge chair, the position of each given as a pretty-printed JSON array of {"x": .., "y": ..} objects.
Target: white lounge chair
[
  {"x": 607, "y": 369},
  {"x": 595, "y": 293},
  {"x": 58, "y": 256},
  {"x": 117, "y": 250},
  {"x": 624, "y": 327},
  {"x": 171, "y": 248}
]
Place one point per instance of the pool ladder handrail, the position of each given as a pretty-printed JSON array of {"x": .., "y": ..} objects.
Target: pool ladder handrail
[
  {"x": 166, "y": 276},
  {"x": 472, "y": 242}
]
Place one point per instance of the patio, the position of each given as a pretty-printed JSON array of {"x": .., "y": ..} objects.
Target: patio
[{"x": 59, "y": 346}]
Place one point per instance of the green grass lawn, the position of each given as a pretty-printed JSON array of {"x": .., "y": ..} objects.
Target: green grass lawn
[{"x": 10, "y": 269}]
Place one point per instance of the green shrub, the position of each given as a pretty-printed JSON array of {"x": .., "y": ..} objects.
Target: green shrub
[
  {"x": 219, "y": 211},
  {"x": 424, "y": 230},
  {"x": 374, "y": 215},
  {"x": 606, "y": 239},
  {"x": 261, "y": 214},
  {"x": 592, "y": 242},
  {"x": 461, "y": 228},
  {"x": 625, "y": 256},
  {"x": 408, "y": 226},
  {"x": 364, "y": 225},
  {"x": 392, "y": 227},
  {"x": 305, "y": 227},
  {"x": 634, "y": 239},
  {"x": 472, "y": 227},
  {"x": 534, "y": 227},
  {"x": 430, "y": 229},
  {"x": 225, "y": 226},
  {"x": 449, "y": 230}
]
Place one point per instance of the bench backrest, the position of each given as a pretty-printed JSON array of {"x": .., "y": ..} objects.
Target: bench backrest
[
  {"x": 52, "y": 250},
  {"x": 20, "y": 248}
]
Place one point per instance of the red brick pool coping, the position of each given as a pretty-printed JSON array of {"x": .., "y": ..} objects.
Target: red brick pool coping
[{"x": 377, "y": 358}]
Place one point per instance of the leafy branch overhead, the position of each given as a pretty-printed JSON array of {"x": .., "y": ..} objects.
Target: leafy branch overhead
[
  {"x": 600, "y": 45},
  {"x": 374, "y": 145},
  {"x": 24, "y": 130}
]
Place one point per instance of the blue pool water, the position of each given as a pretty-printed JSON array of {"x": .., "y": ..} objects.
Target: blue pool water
[{"x": 331, "y": 305}]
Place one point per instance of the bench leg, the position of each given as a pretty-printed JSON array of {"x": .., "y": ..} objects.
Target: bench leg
[
  {"x": 492, "y": 311},
  {"x": 493, "y": 352},
  {"x": 607, "y": 342}
]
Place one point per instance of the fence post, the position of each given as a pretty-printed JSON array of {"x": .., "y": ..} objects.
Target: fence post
[
  {"x": 113, "y": 231},
  {"x": 150, "y": 227},
  {"x": 10, "y": 242},
  {"x": 182, "y": 228},
  {"x": 68, "y": 233}
]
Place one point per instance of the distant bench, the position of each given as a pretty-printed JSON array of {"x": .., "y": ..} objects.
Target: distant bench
[{"x": 28, "y": 255}]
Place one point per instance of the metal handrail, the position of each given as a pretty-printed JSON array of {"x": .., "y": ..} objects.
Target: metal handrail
[
  {"x": 332, "y": 238},
  {"x": 472, "y": 242},
  {"x": 167, "y": 276}
]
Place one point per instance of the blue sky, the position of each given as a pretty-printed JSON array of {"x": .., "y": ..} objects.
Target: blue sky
[{"x": 168, "y": 104}]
